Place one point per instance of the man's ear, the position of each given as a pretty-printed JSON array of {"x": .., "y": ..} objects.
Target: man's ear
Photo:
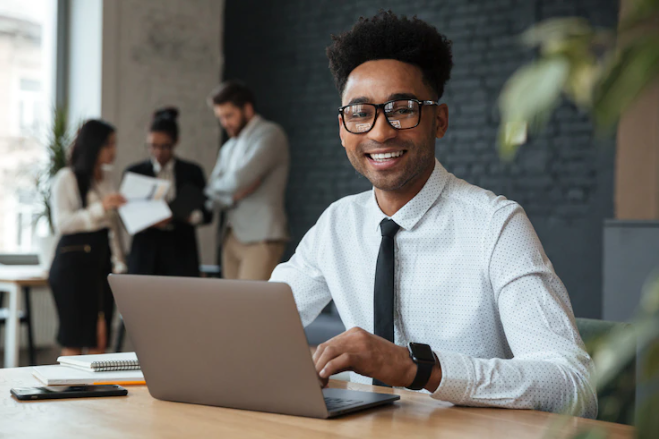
[
  {"x": 441, "y": 121},
  {"x": 249, "y": 110},
  {"x": 341, "y": 130}
]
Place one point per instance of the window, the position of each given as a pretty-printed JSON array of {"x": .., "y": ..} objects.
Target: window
[
  {"x": 27, "y": 79},
  {"x": 30, "y": 103}
]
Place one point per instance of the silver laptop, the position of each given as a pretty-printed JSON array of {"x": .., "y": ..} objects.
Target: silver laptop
[{"x": 237, "y": 344}]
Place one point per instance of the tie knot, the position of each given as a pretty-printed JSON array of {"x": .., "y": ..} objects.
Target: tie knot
[{"x": 389, "y": 228}]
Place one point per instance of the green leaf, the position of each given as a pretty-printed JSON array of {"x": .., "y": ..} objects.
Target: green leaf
[
  {"x": 650, "y": 366},
  {"x": 534, "y": 89},
  {"x": 512, "y": 135},
  {"x": 650, "y": 297},
  {"x": 639, "y": 13},
  {"x": 636, "y": 67},
  {"x": 56, "y": 142},
  {"x": 529, "y": 97},
  {"x": 554, "y": 30},
  {"x": 581, "y": 81},
  {"x": 613, "y": 353},
  {"x": 647, "y": 421}
]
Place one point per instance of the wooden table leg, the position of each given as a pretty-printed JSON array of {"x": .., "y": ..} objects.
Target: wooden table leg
[{"x": 30, "y": 319}]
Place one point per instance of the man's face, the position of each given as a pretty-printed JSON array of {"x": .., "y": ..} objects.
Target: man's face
[
  {"x": 413, "y": 149},
  {"x": 232, "y": 118}
]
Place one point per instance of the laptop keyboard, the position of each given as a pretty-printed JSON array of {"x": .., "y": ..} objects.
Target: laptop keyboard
[{"x": 334, "y": 404}]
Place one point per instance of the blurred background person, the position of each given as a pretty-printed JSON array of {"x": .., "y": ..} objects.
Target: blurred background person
[
  {"x": 170, "y": 247},
  {"x": 84, "y": 203},
  {"x": 248, "y": 183}
]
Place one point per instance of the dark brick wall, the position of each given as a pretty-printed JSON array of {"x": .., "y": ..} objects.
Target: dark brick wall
[{"x": 563, "y": 177}]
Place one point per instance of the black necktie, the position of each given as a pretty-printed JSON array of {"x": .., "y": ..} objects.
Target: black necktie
[{"x": 383, "y": 297}]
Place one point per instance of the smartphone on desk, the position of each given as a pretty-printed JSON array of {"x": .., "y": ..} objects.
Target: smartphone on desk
[{"x": 61, "y": 392}]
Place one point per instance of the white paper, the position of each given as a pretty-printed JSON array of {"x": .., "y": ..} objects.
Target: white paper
[
  {"x": 146, "y": 204},
  {"x": 57, "y": 375},
  {"x": 136, "y": 187}
]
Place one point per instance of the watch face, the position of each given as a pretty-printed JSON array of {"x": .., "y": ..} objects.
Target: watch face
[{"x": 422, "y": 352}]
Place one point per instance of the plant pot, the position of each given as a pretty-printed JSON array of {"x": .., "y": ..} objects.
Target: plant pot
[{"x": 47, "y": 246}]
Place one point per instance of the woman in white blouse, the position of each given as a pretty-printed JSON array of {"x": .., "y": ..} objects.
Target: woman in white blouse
[{"x": 84, "y": 204}]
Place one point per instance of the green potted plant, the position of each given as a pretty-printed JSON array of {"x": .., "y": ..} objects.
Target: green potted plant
[
  {"x": 602, "y": 73},
  {"x": 56, "y": 142}
]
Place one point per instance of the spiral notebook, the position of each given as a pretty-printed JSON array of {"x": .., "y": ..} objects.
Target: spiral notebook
[{"x": 102, "y": 362}]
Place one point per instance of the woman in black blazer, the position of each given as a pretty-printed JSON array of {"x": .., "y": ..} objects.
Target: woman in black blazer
[{"x": 170, "y": 248}]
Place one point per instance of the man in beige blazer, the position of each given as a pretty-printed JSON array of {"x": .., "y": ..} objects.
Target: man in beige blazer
[{"x": 248, "y": 182}]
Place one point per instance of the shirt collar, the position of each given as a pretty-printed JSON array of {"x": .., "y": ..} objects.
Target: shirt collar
[
  {"x": 157, "y": 167},
  {"x": 253, "y": 122},
  {"x": 410, "y": 214}
]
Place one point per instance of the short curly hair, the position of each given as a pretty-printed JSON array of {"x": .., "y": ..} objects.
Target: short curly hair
[{"x": 387, "y": 36}]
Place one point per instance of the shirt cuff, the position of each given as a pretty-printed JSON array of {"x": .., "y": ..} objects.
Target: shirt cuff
[
  {"x": 97, "y": 211},
  {"x": 119, "y": 267},
  {"x": 221, "y": 198},
  {"x": 225, "y": 200},
  {"x": 196, "y": 217},
  {"x": 457, "y": 381}
]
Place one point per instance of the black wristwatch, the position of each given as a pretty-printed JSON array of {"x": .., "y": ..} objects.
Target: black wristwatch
[{"x": 424, "y": 358}]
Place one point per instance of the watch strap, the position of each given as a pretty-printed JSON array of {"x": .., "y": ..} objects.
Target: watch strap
[{"x": 423, "y": 373}]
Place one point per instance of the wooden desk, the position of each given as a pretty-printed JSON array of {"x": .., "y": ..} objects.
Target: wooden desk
[
  {"x": 140, "y": 416},
  {"x": 14, "y": 280}
]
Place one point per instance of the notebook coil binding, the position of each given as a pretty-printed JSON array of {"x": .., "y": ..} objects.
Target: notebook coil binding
[{"x": 112, "y": 365}]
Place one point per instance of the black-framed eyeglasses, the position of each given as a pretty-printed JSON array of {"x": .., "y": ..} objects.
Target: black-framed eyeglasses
[
  {"x": 161, "y": 146},
  {"x": 401, "y": 114}
]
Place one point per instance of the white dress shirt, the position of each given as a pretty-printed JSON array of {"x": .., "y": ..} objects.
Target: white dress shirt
[
  {"x": 167, "y": 173},
  {"x": 70, "y": 217},
  {"x": 471, "y": 280}
]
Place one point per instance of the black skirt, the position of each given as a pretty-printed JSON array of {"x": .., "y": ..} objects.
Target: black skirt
[
  {"x": 165, "y": 252},
  {"x": 78, "y": 280}
]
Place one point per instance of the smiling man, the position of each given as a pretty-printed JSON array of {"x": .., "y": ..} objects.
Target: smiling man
[{"x": 444, "y": 286}]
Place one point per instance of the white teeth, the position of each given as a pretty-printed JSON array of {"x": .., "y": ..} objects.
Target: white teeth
[{"x": 387, "y": 155}]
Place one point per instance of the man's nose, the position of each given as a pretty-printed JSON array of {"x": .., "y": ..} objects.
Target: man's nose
[{"x": 382, "y": 131}]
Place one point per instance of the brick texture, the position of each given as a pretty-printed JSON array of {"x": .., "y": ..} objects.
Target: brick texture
[{"x": 562, "y": 177}]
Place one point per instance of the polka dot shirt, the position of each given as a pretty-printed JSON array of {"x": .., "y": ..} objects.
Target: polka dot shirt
[{"x": 471, "y": 280}]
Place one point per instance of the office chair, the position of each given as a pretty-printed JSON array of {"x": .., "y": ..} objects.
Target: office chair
[{"x": 616, "y": 399}]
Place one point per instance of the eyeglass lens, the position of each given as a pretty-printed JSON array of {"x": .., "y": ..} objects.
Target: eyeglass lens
[{"x": 401, "y": 114}]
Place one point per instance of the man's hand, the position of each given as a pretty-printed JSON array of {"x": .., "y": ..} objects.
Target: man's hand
[
  {"x": 360, "y": 351},
  {"x": 246, "y": 192}
]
